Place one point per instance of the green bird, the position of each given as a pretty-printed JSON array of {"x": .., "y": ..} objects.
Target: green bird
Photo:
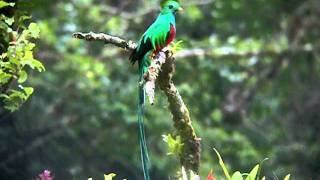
[{"x": 159, "y": 35}]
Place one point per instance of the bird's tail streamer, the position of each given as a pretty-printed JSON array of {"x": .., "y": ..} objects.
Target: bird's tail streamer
[{"x": 142, "y": 138}]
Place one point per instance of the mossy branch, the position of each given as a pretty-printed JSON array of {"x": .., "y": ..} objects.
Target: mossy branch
[{"x": 161, "y": 71}]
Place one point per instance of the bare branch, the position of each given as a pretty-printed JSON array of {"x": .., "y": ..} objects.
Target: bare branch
[{"x": 107, "y": 39}]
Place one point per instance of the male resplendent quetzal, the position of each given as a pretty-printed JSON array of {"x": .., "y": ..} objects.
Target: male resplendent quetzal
[{"x": 159, "y": 35}]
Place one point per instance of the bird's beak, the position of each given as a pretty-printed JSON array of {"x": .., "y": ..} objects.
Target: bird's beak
[{"x": 180, "y": 9}]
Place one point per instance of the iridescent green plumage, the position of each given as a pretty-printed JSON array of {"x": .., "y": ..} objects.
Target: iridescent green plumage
[{"x": 158, "y": 35}]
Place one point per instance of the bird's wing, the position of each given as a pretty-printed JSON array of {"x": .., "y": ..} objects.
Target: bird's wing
[
  {"x": 155, "y": 37},
  {"x": 157, "y": 33}
]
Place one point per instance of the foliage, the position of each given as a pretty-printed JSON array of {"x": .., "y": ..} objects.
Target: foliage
[
  {"x": 4, "y": 4},
  {"x": 176, "y": 46},
  {"x": 174, "y": 144},
  {"x": 188, "y": 176},
  {"x": 252, "y": 175},
  {"x": 17, "y": 59},
  {"x": 107, "y": 176}
]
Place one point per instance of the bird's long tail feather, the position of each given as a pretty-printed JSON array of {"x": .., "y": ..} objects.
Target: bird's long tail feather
[
  {"x": 143, "y": 65},
  {"x": 142, "y": 138}
]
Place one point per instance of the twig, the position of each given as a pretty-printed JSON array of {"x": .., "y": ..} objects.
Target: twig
[{"x": 107, "y": 39}]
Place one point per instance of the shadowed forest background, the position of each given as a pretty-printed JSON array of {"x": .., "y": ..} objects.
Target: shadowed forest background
[{"x": 249, "y": 72}]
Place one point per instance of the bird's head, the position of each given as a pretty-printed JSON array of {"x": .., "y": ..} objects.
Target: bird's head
[{"x": 170, "y": 6}]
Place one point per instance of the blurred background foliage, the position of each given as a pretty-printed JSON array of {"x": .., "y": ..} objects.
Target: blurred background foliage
[{"x": 248, "y": 71}]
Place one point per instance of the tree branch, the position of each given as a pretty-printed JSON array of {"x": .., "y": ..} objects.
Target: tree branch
[
  {"x": 191, "y": 53},
  {"x": 107, "y": 39},
  {"x": 190, "y": 157},
  {"x": 161, "y": 71}
]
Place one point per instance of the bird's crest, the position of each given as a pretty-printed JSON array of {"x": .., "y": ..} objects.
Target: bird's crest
[{"x": 163, "y": 2}]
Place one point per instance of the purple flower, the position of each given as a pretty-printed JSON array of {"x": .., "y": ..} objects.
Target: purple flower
[{"x": 45, "y": 175}]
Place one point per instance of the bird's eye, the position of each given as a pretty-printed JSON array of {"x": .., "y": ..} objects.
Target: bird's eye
[{"x": 170, "y": 6}]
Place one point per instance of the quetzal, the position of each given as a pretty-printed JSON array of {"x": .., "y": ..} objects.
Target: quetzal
[{"x": 159, "y": 35}]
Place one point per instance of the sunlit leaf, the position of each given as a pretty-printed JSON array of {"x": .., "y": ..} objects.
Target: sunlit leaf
[
  {"x": 224, "y": 168},
  {"x": 194, "y": 176},
  {"x": 4, "y": 77},
  {"x": 109, "y": 176},
  {"x": 22, "y": 76},
  {"x": 28, "y": 91},
  {"x": 34, "y": 30},
  {"x": 184, "y": 173},
  {"x": 237, "y": 176},
  {"x": 10, "y": 21},
  {"x": 4, "y": 4},
  {"x": 176, "y": 46},
  {"x": 174, "y": 144},
  {"x": 253, "y": 173},
  {"x": 287, "y": 177},
  {"x": 260, "y": 164}
]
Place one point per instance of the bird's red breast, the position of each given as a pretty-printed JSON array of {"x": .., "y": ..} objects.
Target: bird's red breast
[
  {"x": 170, "y": 38},
  {"x": 172, "y": 35}
]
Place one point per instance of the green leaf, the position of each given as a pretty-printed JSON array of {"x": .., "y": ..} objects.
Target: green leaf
[
  {"x": 31, "y": 62},
  {"x": 4, "y": 77},
  {"x": 4, "y": 4},
  {"x": 174, "y": 144},
  {"x": 22, "y": 19},
  {"x": 194, "y": 176},
  {"x": 9, "y": 21},
  {"x": 176, "y": 46},
  {"x": 224, "y": 168},
  {"x": 3, "y": 55},
  {"x": 34, "y": 30},
  {"x": 287, "y": 177},
  {"x": 22, "y": 76},
  {"x": 13, "y": 100},
  {"x": 260, "y": 164},
  {"x": 237, "y": 176},
  {"x": 28, "y": 91},
  {"x": 252, "y": 175},
  {"x": 184, "y": 173},
  {"x": 29, "y": 46},
  {"x": 109, "y": 176}
]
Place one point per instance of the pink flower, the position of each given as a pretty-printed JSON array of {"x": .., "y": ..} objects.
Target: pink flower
[{"x": 45, "y": 175}]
